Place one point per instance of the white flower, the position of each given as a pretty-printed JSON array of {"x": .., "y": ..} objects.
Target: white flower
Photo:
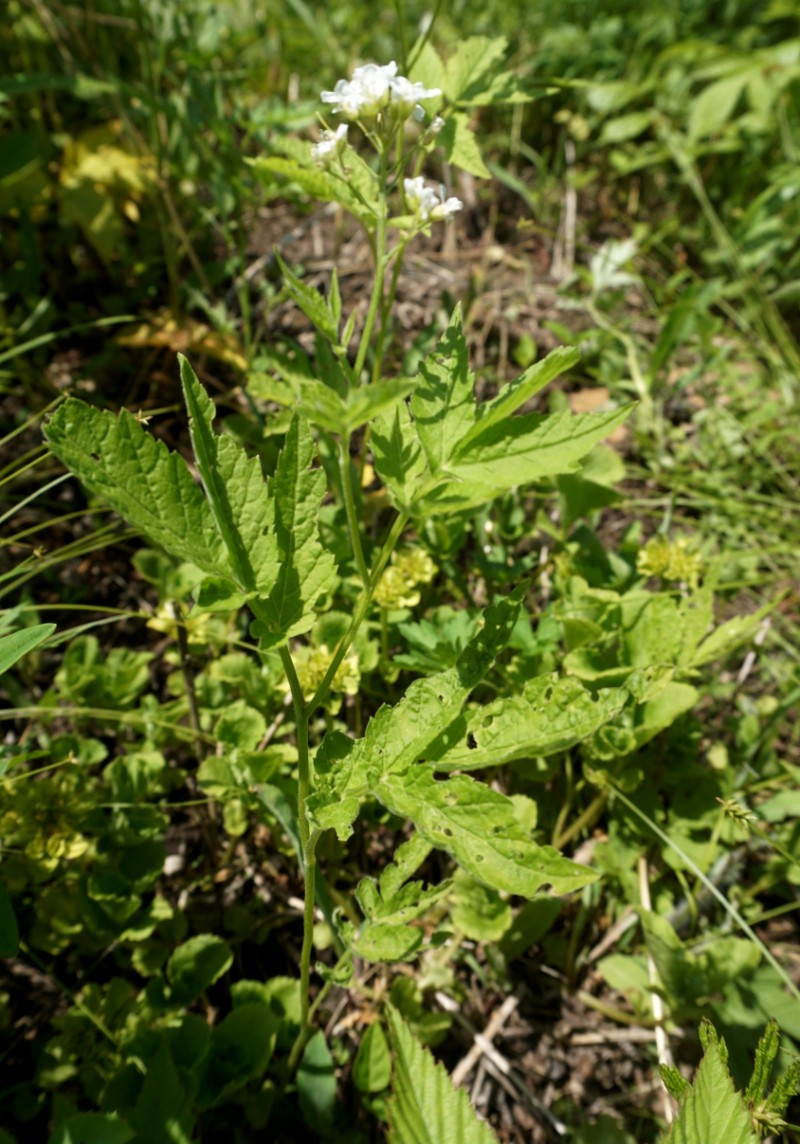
[
  {"x": 429, "y": 203},
  {"x": 405, "y": 95},
  {"x": 331, "y": 144},
  {"x": 374, "y": 88}
]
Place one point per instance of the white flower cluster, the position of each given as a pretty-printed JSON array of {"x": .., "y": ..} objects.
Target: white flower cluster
[
  {"x": 374, "y": 89},
  {"x": 429, "y": 203},
  {"x": 331, "y": 145}
]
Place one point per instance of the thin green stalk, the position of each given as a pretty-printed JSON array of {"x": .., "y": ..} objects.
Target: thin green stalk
[
  {"x": 401, "y": 520},
  {"x": 380, "y": 272},
  {"x": 307, "y": 842},
  {"x": 346, "y": 473},
  {"x": 587, "y": 818},
  {"x": 386, "y": 309}
]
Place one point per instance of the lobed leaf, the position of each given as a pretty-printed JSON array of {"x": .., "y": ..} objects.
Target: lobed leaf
[
  {"x": 152, "y": 488},
  {"x": 398, "y": 736},
  {"x": 712, "y": 1112},
  {"x": 424, "y": 1107},
  {"x": 443, "y": 405},
  {"x": 237, "y": 492},
  {"x": 307, "y": 570},
  {"x": 478, "y": 827}
]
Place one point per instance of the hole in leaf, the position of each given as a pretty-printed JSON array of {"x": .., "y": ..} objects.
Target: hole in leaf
[
  {"x": 479, "y": 857},
  {"x": 471, "y": 742},
  {"x": 447, "y": 832}
]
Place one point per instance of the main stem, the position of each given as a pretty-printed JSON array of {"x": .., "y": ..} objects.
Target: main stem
[
  {"x": 308, "y": 839},
  {"x": 307, "y": 845}
]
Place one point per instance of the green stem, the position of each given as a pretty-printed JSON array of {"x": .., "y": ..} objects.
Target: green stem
[
  {"x": 307, "y": 844},
  {"x": 380, "y": 272},
  {"x": 587, "y": 818},
  {"x": 346, "y": 473},
  {"x": 386, "y": 309},
  {"x": 321, "y": 694}
]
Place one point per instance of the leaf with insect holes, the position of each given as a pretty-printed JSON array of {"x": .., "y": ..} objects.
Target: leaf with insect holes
[
  {"x": 424, "y": 1107},
  {"x": 243, "y": 510},
  {"x": 307, "y": 569},
  {"x": 479, "y": 828},
  {"x": 151, "y": 487},
  {"x": 549, "y": 714},
  {"x": 398, "y": 736}
]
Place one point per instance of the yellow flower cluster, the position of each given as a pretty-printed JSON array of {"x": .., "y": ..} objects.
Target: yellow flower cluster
[
  {"x": 397, "y": 587},
  {"x": 671, "y": 560},
  {"x": 313, "y": 662}
]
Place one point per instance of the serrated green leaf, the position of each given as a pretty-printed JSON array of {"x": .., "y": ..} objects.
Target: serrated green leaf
[
  {"x": 548, "y": 715},
  {"x": 424, "y": 1107},
  {"x": 407, "y": 859},
  {"x": 152, "y": 488},
  {"x": 372, "y": 1068},
  {"x": 470, "y": 70},
  {"x": 318, "y": 311},
  {"x": 712, "y": 1112},
  {"x": 443, "y": 405},
  {"x": 399, "y": 458},
  {"x": 237, "y": 492},
  {"x": 674, "y": 1082},
  {"x": 18, "y": 644},
  {"x": 521, "y": 389},
  {"x": 372, "y": 401},
  {"x": 522, "y": 450},
  {"x": 307, "y": 570},
  {"x": 398, "y": 736},
  {"x": 478, "y": 827},
  {"x": 380, "y": 942},
  {"x": 766, "y": 1052},
  {"x": 461, "y": 145},
  {"x": 320, "y": 184}
]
